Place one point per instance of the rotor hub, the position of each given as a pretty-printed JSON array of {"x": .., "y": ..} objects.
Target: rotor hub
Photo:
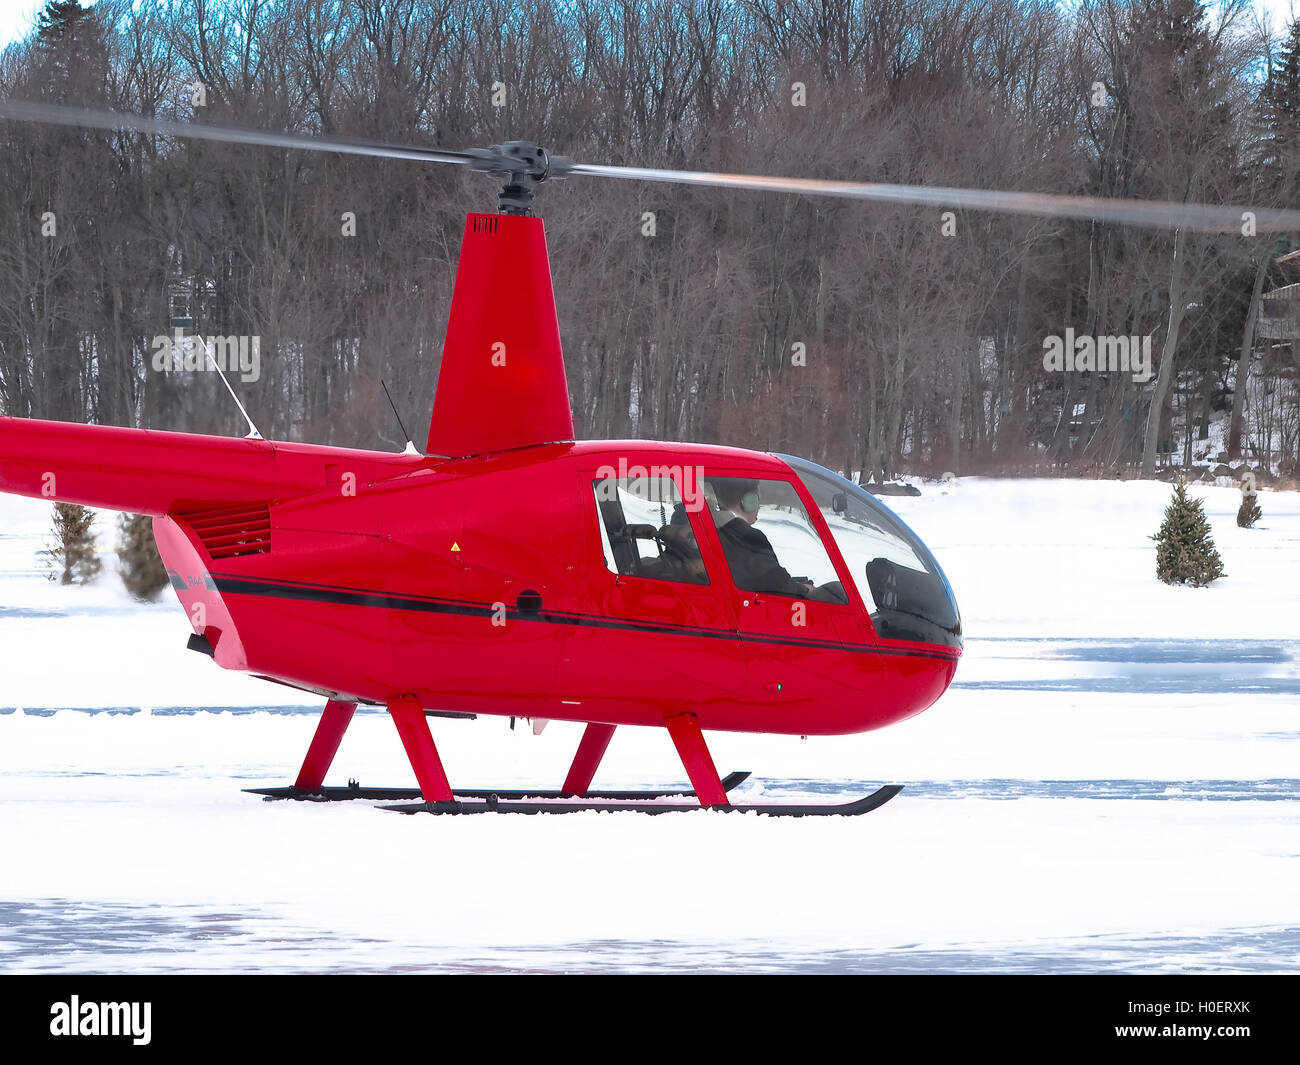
[{"x": 524, "y": 165}]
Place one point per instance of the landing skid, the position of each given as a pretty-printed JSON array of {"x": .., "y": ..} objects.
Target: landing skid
[
  {"x": 499, "y": 803},
  {"x": 437, "y": 796},
  {"x": 355, "y": 791}
]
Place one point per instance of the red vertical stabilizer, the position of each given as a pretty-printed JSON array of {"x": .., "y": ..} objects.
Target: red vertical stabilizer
[{"x": 502, "y": 381}]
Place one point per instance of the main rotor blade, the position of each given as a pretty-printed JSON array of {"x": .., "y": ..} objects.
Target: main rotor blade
[
  {"x": 27, "y": 111},
  {"x": 1146, "y": 213},
  {"x": 1149, "y": 213}
]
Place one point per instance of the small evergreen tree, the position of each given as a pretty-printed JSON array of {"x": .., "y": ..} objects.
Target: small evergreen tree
[
  {"x": 1185, "y": 552},
  {"x": 73, "y": 550},
  {"x": 140, "y": 565},
  {"x": 1249, "y": 511}
]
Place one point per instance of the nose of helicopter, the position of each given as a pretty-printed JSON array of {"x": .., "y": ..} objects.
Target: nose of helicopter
[{"x": 901, "y": 584}]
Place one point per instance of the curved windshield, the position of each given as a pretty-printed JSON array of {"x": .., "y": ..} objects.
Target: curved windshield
[{"x": 902, "y": 586}]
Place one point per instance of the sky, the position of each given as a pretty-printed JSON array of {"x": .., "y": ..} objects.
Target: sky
[{"x": 18, "y": 16}]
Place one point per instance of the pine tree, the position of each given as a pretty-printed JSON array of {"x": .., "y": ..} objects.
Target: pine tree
[
  {"x": 1284, "y": 95},
  {"x": 1273, "y": 156},
  {"x": 1248, "y": 513},
  {"x": 71, "y": 51},
  {"x": 66, "y": 25},
  {"x": 141, "y": 567},
  {"x": 73, "y": 549},
  {"x": 1185, "y": 552}
]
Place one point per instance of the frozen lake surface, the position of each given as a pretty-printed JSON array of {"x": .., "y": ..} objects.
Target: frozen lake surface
[
  {"x": 63, "y": 936},
  {"x": 1110, "y": 786}
]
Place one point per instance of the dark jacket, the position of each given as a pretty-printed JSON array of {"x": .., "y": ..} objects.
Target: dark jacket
[{"x": 754, "y": 565}]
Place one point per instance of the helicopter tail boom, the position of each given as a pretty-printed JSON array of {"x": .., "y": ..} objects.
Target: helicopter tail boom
[{"x": 143, "y": 471}]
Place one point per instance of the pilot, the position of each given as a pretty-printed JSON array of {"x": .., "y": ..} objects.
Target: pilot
[{"x": 753, "y": 562}]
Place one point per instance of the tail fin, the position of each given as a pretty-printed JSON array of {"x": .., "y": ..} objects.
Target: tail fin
[{"x": 502, "y": 382}]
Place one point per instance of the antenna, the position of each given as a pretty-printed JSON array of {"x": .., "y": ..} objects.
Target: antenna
[
  {"x": 410, "y": 447},
  {"x": 253, "y": 434}
]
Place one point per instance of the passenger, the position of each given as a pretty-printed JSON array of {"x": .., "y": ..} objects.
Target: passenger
[
  {"x": 753, "y": 562},
  {"x": 681, "y": 552}
]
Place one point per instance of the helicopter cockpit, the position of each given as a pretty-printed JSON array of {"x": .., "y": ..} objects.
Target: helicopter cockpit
[
  {"x": 771, "y": 545},
  {"x": 904, "y": 590}
]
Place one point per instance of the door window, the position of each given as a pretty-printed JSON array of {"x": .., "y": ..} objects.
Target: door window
[
  {"x": 645, "y": 530},
  {"x": 769, "y": 543}
]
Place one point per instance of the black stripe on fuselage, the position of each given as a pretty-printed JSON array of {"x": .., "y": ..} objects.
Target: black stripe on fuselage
[{"x": 322, "y": 593}]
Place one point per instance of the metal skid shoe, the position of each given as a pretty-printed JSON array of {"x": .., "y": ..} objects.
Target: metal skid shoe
[{"x": 495, "y": 804}]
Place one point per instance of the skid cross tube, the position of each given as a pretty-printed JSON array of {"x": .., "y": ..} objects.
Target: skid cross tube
[
  {"x": 334, "y": 721},
  {"x": 413, "y": 727},
  {"x": 694, "y": 752},
  {"x": 595, "y": 741}
]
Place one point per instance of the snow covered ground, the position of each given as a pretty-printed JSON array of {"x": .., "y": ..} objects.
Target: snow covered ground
[{"x": 1111, "y": 785}]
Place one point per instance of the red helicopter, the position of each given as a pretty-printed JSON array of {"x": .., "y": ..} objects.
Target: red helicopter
[{"x": 511, "y": 570}]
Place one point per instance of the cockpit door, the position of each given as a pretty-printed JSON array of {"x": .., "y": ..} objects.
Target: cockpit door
[
  {"x": 662, "y": 622},
  {"x": 794, "y": 614}
]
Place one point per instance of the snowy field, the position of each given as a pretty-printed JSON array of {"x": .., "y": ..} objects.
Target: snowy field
[{"x": 1111, "y": 785}]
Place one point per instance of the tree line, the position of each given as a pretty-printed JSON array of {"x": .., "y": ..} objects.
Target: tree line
[{"x": 868, "y": 337}]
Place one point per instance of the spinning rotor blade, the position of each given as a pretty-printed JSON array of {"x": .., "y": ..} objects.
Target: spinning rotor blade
[
  {"x": 26, "y": 111},
  {"x": 1149, "y": 213},
  {"x": 525, "y": 164}
]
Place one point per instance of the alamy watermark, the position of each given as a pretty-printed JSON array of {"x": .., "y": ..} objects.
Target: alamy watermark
[
  {"x": 230, "y": 354},
  {"x": 1102, "y": 354},
  {"x": 79, "y": 1018},
  {"x": 689, "y": 478}
]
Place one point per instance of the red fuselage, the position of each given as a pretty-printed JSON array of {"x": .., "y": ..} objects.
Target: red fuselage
[{"x": 479, "y": 586}]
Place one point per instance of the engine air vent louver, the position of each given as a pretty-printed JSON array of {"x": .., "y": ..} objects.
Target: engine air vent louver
[{"x": 230, "y": 532}]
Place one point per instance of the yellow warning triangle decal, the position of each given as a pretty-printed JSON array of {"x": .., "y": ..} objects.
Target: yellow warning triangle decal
[{"x": 455, "y": 546}]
